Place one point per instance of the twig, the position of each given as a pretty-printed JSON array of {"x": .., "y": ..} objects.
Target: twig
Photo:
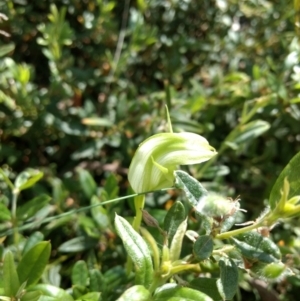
[{"x": 120, "y": 41}]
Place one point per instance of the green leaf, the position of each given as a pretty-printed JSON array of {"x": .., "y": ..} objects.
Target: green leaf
[
  {"x": 172, "y": 291},
  {"x": 30, "y": 208},
  {"x": 11, "y": 281},
  {"x": 194, "y": 191},
  {"x": 251, "y": 107},
  {"x": 87, "y": 183},
  {"x": 5, "y": 49},
  {"x": 246, "y": 132},
  {"x": 175, "y": 216},
  {"x": 207, "y": 286},
  {"x": 52, "y": 291},
  {"x": 33, "y": 263},
  {"x": 90, "y": 297},
  {"x": 256, "y": 247},
  {"x": 80, "y": 274},
  {"x": 215, "y": 171},
  {"x": 196, "y": 195},
  {"x": 176, "y": 245},
  {"x": 291, "y": 172},
  {"x": 78, "y": 244},
  {"x": 4, "y": 213},
  {"x": 114, "y": 277},
  {"x": 135, "y": 293},
  {"x": 97, "y": 121},
  {"x": 229, "y": 277},
  {"x": 6, "y": 179},
  {"x": 97, "y": 281},
  {"x": 111, "y": 186},
  {"x": 203, "y": 247},
  {"x": 137, "y": 250},
  {"x": 32, "y": 241},
  {"x": 99, "y": 213},
  {"x": 31, "y": 296},
  {"x": 28, "y": 178}
]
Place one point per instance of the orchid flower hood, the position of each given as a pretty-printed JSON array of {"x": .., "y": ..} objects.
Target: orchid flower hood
[{"x": 158, "y": 157}]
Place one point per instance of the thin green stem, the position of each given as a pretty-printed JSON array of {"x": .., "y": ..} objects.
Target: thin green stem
[
  {"x": 139, "y": 203},
  {"x": 15, "y": 194},
  {"x": 232, "y": 233},
  {"x": 158, "y": 281},
  {"x": 153, "y": 245},
  {"x": 185, "y": 267},
  {"x": 72, "y": 212}
]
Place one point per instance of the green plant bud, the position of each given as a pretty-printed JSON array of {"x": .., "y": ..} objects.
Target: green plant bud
[
  {"x": 216, "y": 206},
  {"x": 157, "y": 158},
  {"x": 270, "y": 271}
]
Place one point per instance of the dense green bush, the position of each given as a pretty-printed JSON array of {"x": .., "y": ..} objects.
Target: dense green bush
[{"x": 84, "y": 82}]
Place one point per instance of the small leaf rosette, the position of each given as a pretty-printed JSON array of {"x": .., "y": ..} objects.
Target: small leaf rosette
[{"x": 157, "y": 158}]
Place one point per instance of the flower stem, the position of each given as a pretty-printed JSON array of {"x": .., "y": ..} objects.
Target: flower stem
[
  {"x": 15, "y": 194},
  {"x": 139, "y": 203}
]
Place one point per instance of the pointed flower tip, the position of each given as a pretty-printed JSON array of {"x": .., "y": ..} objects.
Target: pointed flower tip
[{"x": 158, "y": 156}]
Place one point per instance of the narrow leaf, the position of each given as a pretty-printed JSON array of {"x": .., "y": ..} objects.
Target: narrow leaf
[
  {"x": 175, "y": 216},
  {"x": 87, "y": 183},
  {"x": 291, "y": 172},
  {"x": 30, "y": 208},
  {"x": 137, "y": 250},
  {"x": 33, "y": 263},
  {"x": 97, "y": 121},
  {"x": 4, "y": 213},
  {"x": 246, "y": 132},
  {"x": 99, "y": 214},
  {"x": 78, "y": 244},
  {"x": 11, "y": 281},
  {"x": 177, "y": 240}
]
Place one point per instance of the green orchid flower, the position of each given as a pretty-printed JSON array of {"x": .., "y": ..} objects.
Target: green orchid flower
[{"x": 158, "y": 157}]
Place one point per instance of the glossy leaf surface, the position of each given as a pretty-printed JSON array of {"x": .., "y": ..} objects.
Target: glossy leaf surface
[
  {"x": 11, "y": 281},
  {"x": 33, "y": 263}
]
